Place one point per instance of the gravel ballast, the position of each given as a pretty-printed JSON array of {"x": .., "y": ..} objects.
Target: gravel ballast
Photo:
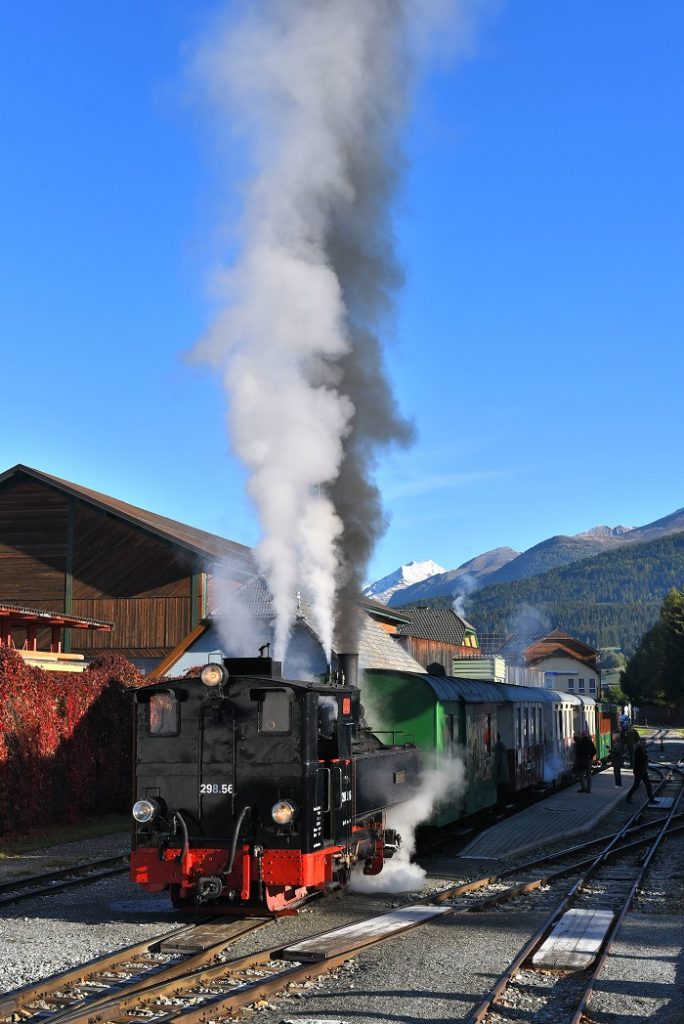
[{"x": 436, "y": 972}]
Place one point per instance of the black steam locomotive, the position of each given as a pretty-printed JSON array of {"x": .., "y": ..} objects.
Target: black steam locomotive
[{"x": 254, "y": 791}]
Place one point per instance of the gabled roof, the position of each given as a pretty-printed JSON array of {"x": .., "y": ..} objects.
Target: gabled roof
[
  {"x": 197, "y": 541},
  {"x": 519, "y": 643},
  {"x": 376, "y": 648},
  {"x": 440, "y": 624},
  {"x": 566, "y": 638},
  {"x": 545, "y": 643},
  {"x": 382, "y": 611},
  {"x": 544, "y": 653}
]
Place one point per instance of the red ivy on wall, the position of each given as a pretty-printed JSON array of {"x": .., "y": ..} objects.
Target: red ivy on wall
[{"x": 65, "y": 741}]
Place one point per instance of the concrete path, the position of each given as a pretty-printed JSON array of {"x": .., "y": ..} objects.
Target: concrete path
[{"x": 562, "y": 815}]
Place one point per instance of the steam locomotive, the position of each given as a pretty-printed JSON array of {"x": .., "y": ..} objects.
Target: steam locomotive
[{"x": 255, "y": 792}]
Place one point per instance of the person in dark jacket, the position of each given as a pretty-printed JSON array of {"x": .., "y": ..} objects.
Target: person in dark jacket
[
  {"x": 585, "y": 753},
  {"x": 640, "y": 771},
  {"x": 616, "y": 757},
  {"x": 631, "y": 740}
]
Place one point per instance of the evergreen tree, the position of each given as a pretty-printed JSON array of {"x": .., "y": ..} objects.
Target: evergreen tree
[{"x": 655, "y": 674}]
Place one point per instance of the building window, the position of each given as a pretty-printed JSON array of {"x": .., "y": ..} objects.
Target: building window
[
  {"x": 581, "y": 686},
  {"x": 571, "y": 685},
  {"x": 592, "y": 686}
]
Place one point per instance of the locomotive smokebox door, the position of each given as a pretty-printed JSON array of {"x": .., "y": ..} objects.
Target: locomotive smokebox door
[{"x": 217, "y": 781}]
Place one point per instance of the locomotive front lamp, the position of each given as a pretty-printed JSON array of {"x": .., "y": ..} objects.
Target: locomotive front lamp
[
  {"x": 214, "y": 674},
  {"x": 145, "y": 810},
  {"x": 283, "y": 812}
]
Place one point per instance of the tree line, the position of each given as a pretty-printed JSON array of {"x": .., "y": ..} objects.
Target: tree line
[
  {"x": 655, "y": 674},
  {"x": 608, "y": 600}
]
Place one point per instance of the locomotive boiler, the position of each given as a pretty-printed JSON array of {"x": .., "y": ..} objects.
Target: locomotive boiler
[{"x": 255, "y": 792}]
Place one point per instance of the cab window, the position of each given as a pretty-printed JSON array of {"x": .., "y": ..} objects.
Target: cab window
[
  {"x": 327, "y": 728},
  {"x": 163, "y": 715},
  {"x": 275, "y": 713}
]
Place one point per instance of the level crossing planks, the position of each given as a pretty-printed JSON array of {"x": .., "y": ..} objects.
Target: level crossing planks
[
  {"x": 575, "y": 941},
  {"x": 330, "y": 944}
]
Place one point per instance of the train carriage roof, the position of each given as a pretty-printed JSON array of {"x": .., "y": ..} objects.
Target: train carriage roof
[{"x": 477, "y": 691}]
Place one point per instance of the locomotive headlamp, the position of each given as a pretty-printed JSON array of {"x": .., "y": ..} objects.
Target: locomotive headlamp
[
  {"x": 145, "y": 810},
  {"x": 214, "y": 674},
  {"x": 283, "y": 812}
]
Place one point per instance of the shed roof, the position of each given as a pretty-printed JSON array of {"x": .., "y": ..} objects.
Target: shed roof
[
  {"x": 440, "y": 624},
  {"x": 198, "y": 541},
  {"x": 18, "y": 615},
  {"x": 377, "y": 650}
]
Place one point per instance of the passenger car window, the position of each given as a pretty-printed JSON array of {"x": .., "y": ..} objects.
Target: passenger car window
[{"x": 163, "y": 715}]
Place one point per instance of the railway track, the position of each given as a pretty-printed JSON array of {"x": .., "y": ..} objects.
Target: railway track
[
  {"x": 126, "y": 974},
  {"x": 185, "y": 975},
  {"x": 48, "y": 883},
  {"x": 549, "y": 976}
]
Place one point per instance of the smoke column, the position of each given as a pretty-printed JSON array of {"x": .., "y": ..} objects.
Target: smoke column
[{"x": 320, "y": 88}]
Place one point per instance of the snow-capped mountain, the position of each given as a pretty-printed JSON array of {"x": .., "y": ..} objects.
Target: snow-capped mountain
[
  {"x": 420, "y": 581},
  {"x": 471, "y": 575},
  {"x": 405, "y": 576}
]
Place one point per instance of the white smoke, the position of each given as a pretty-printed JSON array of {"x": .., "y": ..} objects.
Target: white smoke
[
  {"x": 467, "y": 585},
  {"x": 240, "y": 632},
  {"x": 440, "y": 783},
  {"x": 321, "y": 89},
  {"x": 528, "y": 619}
]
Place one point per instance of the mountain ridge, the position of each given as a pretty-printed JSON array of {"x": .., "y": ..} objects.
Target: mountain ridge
[{"x": 503, "y": 564}]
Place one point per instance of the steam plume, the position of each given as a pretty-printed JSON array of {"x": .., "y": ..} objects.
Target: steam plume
[
  {"x": 321, "y": 87},
  {"x": 443, "y": 782}
]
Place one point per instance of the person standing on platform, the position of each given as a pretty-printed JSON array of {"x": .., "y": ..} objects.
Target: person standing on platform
[
  {"x": 640, "y": 771},
  {"x": 631, "y": 740},
  {"x": 616, "y": 757},
  {"x": 500, "y": 770},
  {"x": 586, "y": 752}
]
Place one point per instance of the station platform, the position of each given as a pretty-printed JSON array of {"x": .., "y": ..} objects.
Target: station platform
[{"x": 561, "y": 815}]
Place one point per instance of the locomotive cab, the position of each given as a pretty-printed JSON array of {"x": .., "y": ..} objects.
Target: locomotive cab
[{"x": 245, "y": 788}]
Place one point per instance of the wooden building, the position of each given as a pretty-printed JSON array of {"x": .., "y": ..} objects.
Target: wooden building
[
  {"x": 435, "y": 636},
  {"x": 68, "y": 548}
]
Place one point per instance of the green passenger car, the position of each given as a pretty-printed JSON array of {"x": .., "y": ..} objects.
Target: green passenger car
[{"x": 452, "y": 723}]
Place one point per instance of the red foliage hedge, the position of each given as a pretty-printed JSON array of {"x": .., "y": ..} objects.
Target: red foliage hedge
[{"x": 65, "y": 741}]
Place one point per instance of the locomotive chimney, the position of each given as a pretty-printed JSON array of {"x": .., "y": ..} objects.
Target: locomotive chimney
[{"x": 348, "y": 665}]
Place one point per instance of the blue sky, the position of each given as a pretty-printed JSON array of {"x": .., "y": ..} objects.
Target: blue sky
[{"x": 538, "y": 346}]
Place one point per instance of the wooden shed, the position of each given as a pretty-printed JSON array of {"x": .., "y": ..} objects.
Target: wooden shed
[
  {"x": 66, "y": 547},
  {"x": 435, "y": 636}
]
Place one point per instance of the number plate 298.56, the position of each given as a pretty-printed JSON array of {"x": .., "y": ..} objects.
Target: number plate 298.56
[{"x": 215, "y": 788}]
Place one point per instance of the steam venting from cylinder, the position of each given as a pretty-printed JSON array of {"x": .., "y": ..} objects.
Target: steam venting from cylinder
[{"x": 320, "y": 88}]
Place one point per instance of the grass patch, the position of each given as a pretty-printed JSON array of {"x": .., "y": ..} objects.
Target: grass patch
[{"x": 92, "y": 828}]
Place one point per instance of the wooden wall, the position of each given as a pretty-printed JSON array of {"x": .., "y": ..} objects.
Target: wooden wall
[
  {"x": 59, "y": 553},
  {"x": 33, "y": 545},
  {"x": 429, "y": 652}
]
